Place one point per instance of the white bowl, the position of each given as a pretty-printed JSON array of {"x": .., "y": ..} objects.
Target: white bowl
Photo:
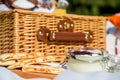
[{"x": 86, "y": 63}]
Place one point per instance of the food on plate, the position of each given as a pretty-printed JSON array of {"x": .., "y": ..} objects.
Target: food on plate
[
  {"x": 33, "y": 62},
  {"x": 30, "y": 61},
  {"x": 18, "y": 56},
  {"x": 7, "y": 63},
  {"x": 42, "y": 69},
  {"x": 15, "y": 65},
  {"x": 5, "y": 56}
]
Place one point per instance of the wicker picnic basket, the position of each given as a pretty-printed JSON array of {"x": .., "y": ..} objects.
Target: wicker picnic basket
[{"x": 18, "y": 30}]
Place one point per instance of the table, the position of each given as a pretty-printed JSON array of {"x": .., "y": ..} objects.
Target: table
[{"x": 70, "y": 75}]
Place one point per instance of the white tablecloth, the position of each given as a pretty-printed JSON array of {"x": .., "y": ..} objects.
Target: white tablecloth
[
  {"x": 6, "y": 74},
  {"x": 70, "y": 75}
]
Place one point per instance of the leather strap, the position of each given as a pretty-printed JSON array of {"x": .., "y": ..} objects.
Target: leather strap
[{"x": 71, "y": 36}]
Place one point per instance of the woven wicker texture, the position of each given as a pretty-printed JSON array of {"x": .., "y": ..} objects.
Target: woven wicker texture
[{"x": 18, "y": 30}]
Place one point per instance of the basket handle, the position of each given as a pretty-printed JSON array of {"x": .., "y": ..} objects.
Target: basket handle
[
  {"x": 71, "y": 36},
  {"x": 44, "y": 34},
  {"x": 65, "y": 33}
]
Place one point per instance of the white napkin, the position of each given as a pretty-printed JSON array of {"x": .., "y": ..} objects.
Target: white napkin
[
  {"x": 6, "y": 74},
  {"x": 70, "y": 75},
  {"x": 110, "y": 38},
  {"x": 23, "y": 4}
]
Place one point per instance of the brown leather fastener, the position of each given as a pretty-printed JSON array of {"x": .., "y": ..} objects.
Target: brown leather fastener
[
  {"x": 71, "y": 36},
  {"x": 43, "y": 34},
  {"x": 65, "y": 25}
]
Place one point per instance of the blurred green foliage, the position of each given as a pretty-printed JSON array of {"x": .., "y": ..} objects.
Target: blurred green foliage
[{"x": 93, "y": 7}]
